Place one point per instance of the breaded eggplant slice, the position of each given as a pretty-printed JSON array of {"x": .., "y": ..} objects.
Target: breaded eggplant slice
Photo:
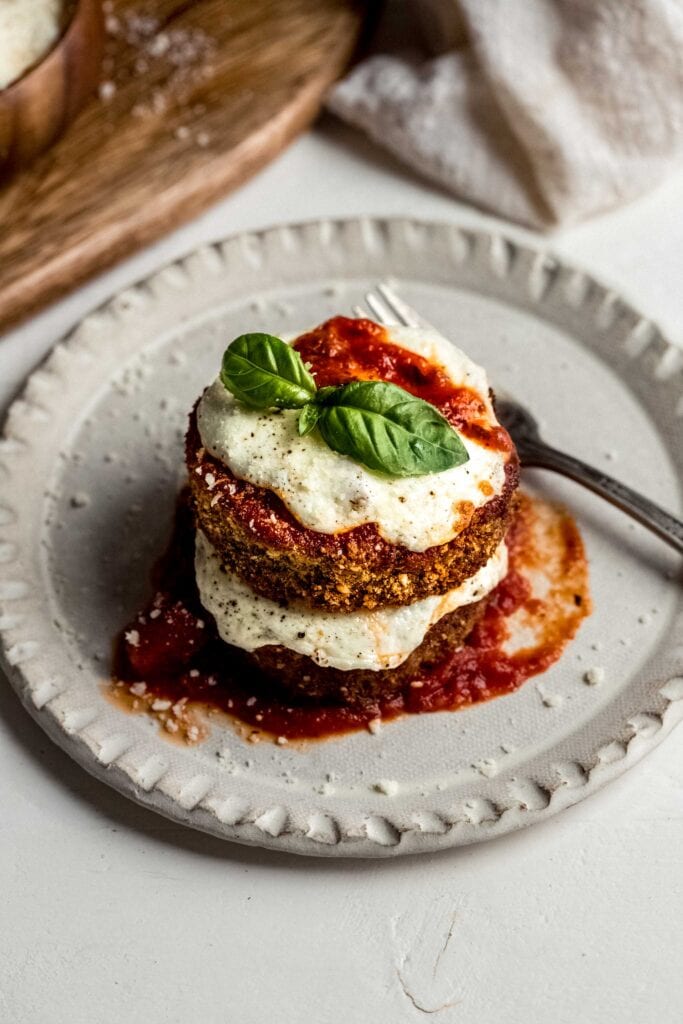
[
  {"x": 266, "y": 546},
  {"x": 299, "y": 676}
]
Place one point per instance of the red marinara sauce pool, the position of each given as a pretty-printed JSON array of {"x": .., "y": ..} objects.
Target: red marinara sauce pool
[{"x": 170, "y": 662}]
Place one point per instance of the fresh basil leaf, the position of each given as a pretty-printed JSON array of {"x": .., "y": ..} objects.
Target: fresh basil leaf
[
  {"x": 322, "y": 394},
  {"x": 389, "y": 430},
  {"x": 262, "y": 371},
  {"x": 308, "y": 417}
]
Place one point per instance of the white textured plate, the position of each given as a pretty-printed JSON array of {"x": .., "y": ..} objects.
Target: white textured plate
[{"x": 89, "y": 470}]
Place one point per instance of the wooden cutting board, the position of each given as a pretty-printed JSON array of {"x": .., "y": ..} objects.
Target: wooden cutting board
[{"x": 196, "y": 95}]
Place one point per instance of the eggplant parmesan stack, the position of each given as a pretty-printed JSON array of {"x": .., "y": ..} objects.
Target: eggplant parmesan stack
[{"x": 339, "y": 580}]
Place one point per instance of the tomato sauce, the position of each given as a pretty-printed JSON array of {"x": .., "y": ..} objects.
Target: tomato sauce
[
  {"x": 343, "y": 350},
  {"x": 170, "y": 662}
]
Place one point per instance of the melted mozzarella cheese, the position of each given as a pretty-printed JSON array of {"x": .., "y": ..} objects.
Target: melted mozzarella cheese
[
  {"x": 331, "y": 493},
  {"x": 378, "y": 639}
]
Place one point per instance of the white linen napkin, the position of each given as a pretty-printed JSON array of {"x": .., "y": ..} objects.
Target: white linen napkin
[{"x": 544, "y": 111}]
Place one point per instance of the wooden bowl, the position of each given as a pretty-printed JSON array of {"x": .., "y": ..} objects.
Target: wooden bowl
[{"x": 36, "y": 108}]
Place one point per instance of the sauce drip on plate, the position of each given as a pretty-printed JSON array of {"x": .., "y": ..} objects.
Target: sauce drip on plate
[{"x": 170, "y": 662}]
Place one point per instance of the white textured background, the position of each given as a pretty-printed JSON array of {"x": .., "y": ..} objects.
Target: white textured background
[{"x": 112, "y": 915}]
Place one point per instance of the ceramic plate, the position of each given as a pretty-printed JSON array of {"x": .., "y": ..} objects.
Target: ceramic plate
[{"x": 90, "y": 467}]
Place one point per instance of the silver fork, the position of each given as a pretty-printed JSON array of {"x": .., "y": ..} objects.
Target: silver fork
[{"x": 386, "y": 307}]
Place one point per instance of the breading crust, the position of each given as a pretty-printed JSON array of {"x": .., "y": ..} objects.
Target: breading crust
[{"x": 259, "y": 539}]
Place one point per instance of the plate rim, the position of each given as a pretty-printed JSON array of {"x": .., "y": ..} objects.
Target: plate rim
[{"x": 376, "y": 835}]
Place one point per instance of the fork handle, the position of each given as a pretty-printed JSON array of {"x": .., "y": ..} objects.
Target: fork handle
[{"x": 666, "y": 526}]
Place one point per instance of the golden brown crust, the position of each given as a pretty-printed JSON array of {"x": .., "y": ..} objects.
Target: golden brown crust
[
  {"x": 259, "y": 539},
  {"x": 299, "y": 676},
  {"x": 349, "y": 583}
]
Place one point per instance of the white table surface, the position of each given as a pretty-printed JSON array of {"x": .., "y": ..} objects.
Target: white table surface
[{"x": 109, "y": 913}]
